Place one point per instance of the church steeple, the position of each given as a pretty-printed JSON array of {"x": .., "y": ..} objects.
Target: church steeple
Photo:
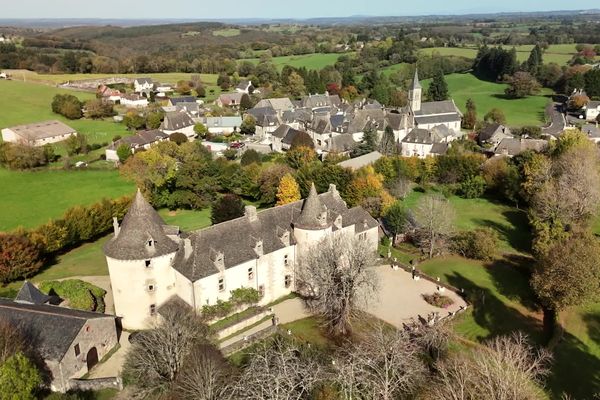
[{"x": 415, "y": 93}]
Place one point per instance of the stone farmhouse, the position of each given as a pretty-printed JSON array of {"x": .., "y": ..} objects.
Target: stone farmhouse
[
  {"x": 39, "y": 133},
  {"x": 70, "y": 342},
  {"x": 143, "y": 86},
  {"x": 151, "y": 263}
]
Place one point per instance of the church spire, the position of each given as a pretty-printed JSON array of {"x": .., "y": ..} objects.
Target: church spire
[
  {"x": 415, "y": 93},
  {"x": 416, "y": 84}
]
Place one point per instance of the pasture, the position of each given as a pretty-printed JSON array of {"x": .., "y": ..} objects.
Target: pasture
[
  {"x": 309, "y": 61},
  {"x": 488, "y": 95},
  {"x": 231, "y": 32},
  {"x": 32, "y": 198}
]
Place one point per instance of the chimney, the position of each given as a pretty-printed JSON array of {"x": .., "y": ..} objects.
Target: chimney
[
  {"x": 333, "y": 189},
  {"x": 250, "y": 212},
  {"x": 116, "y": 226}
]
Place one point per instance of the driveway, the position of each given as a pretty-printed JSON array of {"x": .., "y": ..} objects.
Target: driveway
[
  {"x": 400, "y": 298},
  {"x": 558, "y": 123}
]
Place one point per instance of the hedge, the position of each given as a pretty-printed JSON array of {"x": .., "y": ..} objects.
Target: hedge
[{"x": 80, "y": 295}]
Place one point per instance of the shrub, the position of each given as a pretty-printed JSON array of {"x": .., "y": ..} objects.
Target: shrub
[
  {"x": 123, "y": 152},
  {"x": 480, "y": 244},
  {"x": 67, "y": 105},
  {"x": 80, "y": 295},
  {"x": 19, "y": 257},
  {"x": 178, "y": 138},
  {"x": 226, "y": 208},
  {"x": 230, "y": 154},
  {"x": 244, "y": 296},
  {"x": 250, "y": 156},
  {"x": 438, "y": 300},
  {"x": 19, "y": 378},
  {"x": 18, "y": 156},
  {"x": 473, "y": 187}
]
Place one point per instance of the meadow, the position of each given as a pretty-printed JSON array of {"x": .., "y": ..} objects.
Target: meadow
[
  {"x": 488, "y": 95},
  {"x": 29, "y": 199},
  {"x": 309, "y": 61}
]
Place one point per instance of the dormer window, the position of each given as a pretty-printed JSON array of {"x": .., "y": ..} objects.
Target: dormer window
[
  {"x": 147, "y": 263},
  {"x": 286, "y": 260},
  {"x": 150, "y": 243}
]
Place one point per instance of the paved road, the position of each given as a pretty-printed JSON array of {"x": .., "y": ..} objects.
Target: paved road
[{"x": 558, "y": 123}]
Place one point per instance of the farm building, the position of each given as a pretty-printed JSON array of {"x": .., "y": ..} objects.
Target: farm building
[{"x": 39, "y": 133}]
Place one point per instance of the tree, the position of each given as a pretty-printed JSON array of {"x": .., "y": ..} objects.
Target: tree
[
  {"x": 205, "y": 375},
  {"x": 288, "y": 190},
  {"x": 300, "y": 156},
  {"x": 183, "y": 87},
  {"x": 295, "y": 85},
  {"x": 336, "y": 277},
  {"x": 77, "y": 144},
  {"x": 245, "y": 102},
  {"x": 11, "y": 341},
  {"x": 248, "y": 126},
  {"x": 67, "y": 105},
  {"x": 495, "y": 115},
  {"x": 434, "y": 218},
  {"x": 522, "y": 84},
  {"x": 224, "y": 81},
  {"x": 268, "y": 182},
  {"x": 201, "y": 130},
  {"x": 133, "y": 120},
  {"x": 387, "y": 364},
  {"x": 568, "y": 274},
  {"x": 535, "y": 60},
  {"x": 577, "y": 102},
  {"x": 506, "y": 368},
  {"x": 20, "y": 156},
  {"x": 99, "y": 109},
  {"x": 302, "y": 139},
  {"x": 472, "y": 187},
  {"x": 20, "y": 378},
  {"x": 158, "y": 355},
  {"x": 153, "y": 120},
  {"x": 250, "y": 156},
  {"x": 438, "y": 89},
  {"x": 19, "y": 257},
  {"x": 279, "y": 370},
  {"x": 470, "y": 117},
  {"x": 368, "y": 143},
  {"x": 123, "y": 152},
  {"x": 178, "y": 137},
  {"x": 396, "y": 219},
  {"x": 480, "y": 244},
  {"x": 228, "y": 207},
  {"x": 387, "y": 146},
  {"x": 592, "y": 82}
]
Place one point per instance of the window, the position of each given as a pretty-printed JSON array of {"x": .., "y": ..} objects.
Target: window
[
  {"x": 151, "y": 288},
  {"x": 152, "y": 309},
  {"x": 77, "y": 350},
  {"x": 288, "y": 281},
  {"x": 286, "y": 261},
  {"x": 250, "y": 273},
  {"x": 150, "y": 243},
  {"x": 221, "y": 284},
  {"x": 147, "y": 262},
  {"x": 363, "y": 236}
]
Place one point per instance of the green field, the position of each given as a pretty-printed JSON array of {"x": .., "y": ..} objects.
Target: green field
[
  {"x": 557, "y": 53},
  {"x": 488, "y": 95},
  {"x": 32, "y": 198},
  {"x": 227, "y": 32},
  {"x": 309, "y": 61}
]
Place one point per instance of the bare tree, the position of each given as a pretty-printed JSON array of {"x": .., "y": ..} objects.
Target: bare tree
[
  {"x": 157, "y": 355},
  {"x": 279, "y": 370},
  {"x": 400, "y": 187},
  {"x": 507, "y": 368},
  {"x": 434, "y": 339},
  {"x": 434, "y": 217},
  {"x": 386, "y": 365},
  {"x": 11, "y": 340},
  {"x": 205, "y": 375},
  {"x": 336, "y": 278}
]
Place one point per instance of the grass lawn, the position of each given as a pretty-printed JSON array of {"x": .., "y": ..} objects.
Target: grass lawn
[
  {"x": 227, "y": 32},
  {"x": 32, "y": 198},
  {"x": 488, "y": 95},
  {"x": 316, "y": 61},
  {"x": 510, "y": 224}
]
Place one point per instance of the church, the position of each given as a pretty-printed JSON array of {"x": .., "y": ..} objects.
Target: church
[{"x": 151, "y": 263}]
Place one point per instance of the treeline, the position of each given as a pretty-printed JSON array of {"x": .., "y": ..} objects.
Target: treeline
[{"x": 24, "y": 252}]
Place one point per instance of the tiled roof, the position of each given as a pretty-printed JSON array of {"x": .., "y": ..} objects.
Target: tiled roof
[{"x": 176, "y": 120}]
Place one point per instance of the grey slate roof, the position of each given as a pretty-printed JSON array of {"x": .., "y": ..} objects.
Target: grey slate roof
[
  {"x": 591, "y": 130},
  {"x": 439, "y": 148},
  {"x": 362, "y": 161},
  {"x": 416, "y": 84},
  {"x": 51, "y": 329},
  {"x": 140, "y": 225},
  {"x": 176, "y": 120},
  {"x": 342, "y": 143},
  {"x": 141, "y": 138},
  {"x": 422, "y": 136},
  {"x": 142, "y": 81},
  {"x": 286, "y": 133},
  {"x": 191, "y": 107},
  {"x": 311, "y": 216},
  {"x": 514, "y": 146},
  {"x": 437, "y": 119},
  {"x": 30, "y": 294},
  {"x": 278, "y": 104},
  {"x": 182, "y": 99},
  {"x": 490, "y": 130},
  {"x": 593, "y": 104},
  {"x": 234, "y": 241},
  {"x": 222, "y": 122},
  {"x": 437, "y": 107}
]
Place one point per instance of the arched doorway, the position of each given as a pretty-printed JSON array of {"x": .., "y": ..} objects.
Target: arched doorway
[{"x": 92, "y": 358}]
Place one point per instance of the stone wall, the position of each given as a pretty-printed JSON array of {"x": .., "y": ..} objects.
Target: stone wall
[
  {"x": 96, "y": 384},
  {"x": 250, "y": 340},
  {"x": 92, "y": 84},
  {"x": 230, "y": 330}
]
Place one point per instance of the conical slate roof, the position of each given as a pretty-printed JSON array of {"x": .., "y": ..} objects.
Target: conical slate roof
[
  {"x": 311, "y": 216},
  {"x": 141, "y": 235},
  {"x": 31, "y": 294},
  {"x": 416, "y": 84}
]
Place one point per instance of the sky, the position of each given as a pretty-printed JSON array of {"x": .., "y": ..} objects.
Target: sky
[{"x": 211, "y": 9}]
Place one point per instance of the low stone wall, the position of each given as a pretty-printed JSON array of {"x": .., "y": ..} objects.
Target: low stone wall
[
  {"x": 96, "y": 384},
  {"x": 238, "y": 326},
  {"x": 250, "y": 340}
]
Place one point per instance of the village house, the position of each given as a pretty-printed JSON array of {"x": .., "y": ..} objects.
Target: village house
[
  {"x": 427, "y": 142},
  {"x": 510, "y": 147},
  {"x": 150, "y": 263},
  {"x": 222, "y": 125},
  {"x": 492, "y": 134},
  {"x": 232, "y": 100},
  {"x": 178, "y": 122},
  {"x": 39, "y": 133},
  {"x": 245, "y": 86},
  {"x": 143, "y": 86},
  {"x": 173, "y": 101},
  {"x": 361, "y": 161},
  {"x": 280, "y": 105},
  {"x": 282, "y": 138},
  {"x": 141, "y": 140},
  {"x": 70, "y": 342},
  {"x": 267, "y": 121},
  {"x": 108, "y": 94},
  {"x": 134, "y": 100},
  {"x": 592, "y": 110}
]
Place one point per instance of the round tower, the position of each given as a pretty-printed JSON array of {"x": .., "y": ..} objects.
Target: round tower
[
  {"x": 139, "y": 258},
  {"x": 312, "y": 224}
]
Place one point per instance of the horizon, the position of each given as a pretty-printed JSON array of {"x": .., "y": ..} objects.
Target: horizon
[{"x": 264, "y": 10}]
